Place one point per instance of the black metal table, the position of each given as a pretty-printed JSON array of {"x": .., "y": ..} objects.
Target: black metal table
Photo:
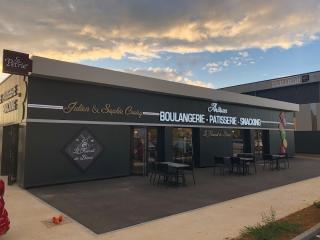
[
  {"x": 244, "y": 161},
  {"x": 277, "y": 157},
  {"x": 179, "y": 168}
]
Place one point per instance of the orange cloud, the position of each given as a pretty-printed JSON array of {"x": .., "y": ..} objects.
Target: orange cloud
[{"x": 143, "y": 30}]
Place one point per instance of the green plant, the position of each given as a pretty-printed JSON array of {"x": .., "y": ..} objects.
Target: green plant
[
  {"x": 316, "y": 204},
  {"x": 269, "y": 228}
]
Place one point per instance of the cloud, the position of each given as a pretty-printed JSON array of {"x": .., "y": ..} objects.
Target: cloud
[
  {"x": 241, "y": 59},
  {"x": 80, "y": 30},
  {"x": 170, "y": 74},
  {"x": 2, "y": 75},
  {"x": 243, "y": 54},
  {"x": 214, "y": 67}
]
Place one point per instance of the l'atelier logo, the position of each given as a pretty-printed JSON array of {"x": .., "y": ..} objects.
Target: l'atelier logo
[{"x": 216, "y": 109}]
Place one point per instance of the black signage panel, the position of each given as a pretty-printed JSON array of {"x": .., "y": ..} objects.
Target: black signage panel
[
  {"x": 83, "y": 149},
  {"x": 97, "y": 103},
  {"x": 16, "y": 63}
]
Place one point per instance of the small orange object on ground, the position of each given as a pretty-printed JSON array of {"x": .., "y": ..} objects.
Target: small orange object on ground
[{"x": 57, "y": 220}]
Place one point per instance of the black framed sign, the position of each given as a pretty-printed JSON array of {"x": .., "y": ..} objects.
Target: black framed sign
[
  {"x": 84, "y": 149},
  {"x": 16, "y": 63}
]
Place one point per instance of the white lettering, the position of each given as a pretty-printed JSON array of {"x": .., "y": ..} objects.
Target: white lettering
[
  {"x": 181, "y": 117},
  {"x": 16, "y": 63},
  {"x": 215, "y": 108},
  {"x": 223, "y": 120},
  {"x": 250, "y": 122}
]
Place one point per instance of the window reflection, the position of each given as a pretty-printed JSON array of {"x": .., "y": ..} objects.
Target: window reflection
[
  {"x": 182, "y": 145},
  {"x": 237, "y": 141},
  {"x": 152, "y": 145}
]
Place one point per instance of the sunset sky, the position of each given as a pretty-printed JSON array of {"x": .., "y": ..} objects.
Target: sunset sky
[{"x": 209, "y": 43}]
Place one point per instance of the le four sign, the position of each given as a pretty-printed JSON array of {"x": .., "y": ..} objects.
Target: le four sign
[{"x": 16, "y": 63}]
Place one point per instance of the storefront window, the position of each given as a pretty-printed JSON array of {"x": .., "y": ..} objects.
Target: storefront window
[
  {"x": 182, "y": 145},
  {"x": 258, "y": 143},
  {"x": 144, "y": 149},
  {"x": 152, "y": 145},
  {"x": 237, "y": 141}
]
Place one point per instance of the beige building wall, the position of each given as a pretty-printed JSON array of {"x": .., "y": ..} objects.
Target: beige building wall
[{"x": 307, "y": 119}]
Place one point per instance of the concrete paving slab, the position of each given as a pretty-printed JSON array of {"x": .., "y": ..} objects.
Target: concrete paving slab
[
  {"x": 216, "y": 221},
  {"x": 108, "y": 205}
]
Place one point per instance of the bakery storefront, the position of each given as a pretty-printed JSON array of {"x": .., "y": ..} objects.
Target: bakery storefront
[{"x": 72, "y": 123}]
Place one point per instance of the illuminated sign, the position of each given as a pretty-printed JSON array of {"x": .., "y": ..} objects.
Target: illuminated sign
[
  {"x": 106, "y": 109},
  {"x": 216, "y": 109},
  {"x": 181, "y": 117},
  {"x": 176, "y": 117}
]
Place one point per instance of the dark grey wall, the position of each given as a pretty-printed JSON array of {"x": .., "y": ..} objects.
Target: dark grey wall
[
  {"x": 300, "y": 94},
  {"x": 96, "y": 97},
  {"x": 46, "y": 162},
  {"x": 274, "y": 141},
  {"x": 21, "y": 153},
  {"x": 307, "y": 141},
  {"x": 168, "y": 144},
  {"x": 213, "y": 146}
]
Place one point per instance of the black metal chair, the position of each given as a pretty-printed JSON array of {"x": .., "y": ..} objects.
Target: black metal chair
[
  {"x": 287, "y": 159},
  {"x": 268, "y": 160},
  {"x": 235, "y": 165},
  {"x": 153, "y": 171},
  {"x": 253, "y": 163},
  {"x": 248, "y": 164},
  {"x": 165, "y": 174},
  {"x": 190, "y": 170}
]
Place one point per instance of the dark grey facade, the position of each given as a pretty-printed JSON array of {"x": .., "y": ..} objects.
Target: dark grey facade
[
  {"x": 302, "y": 89},
  {"x": 69, "y": 130}
]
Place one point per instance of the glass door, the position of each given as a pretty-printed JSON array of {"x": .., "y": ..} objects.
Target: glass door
[
  {"x": 144, "y": 149},
  {"x": 258, "y": 143},
  {"x": 182, "y": 145},
  {"x": 138, "y": 154},
  {"x": 152, "y": 141},
  {"x": 10, "y": 152}
]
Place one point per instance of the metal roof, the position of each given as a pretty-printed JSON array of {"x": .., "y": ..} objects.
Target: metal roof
[
  {"x": 77, "y": 72},
  {"x": 275, "y": 83}
]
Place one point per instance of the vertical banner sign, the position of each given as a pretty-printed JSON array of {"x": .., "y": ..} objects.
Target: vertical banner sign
[
  {"x": 283, "y": 138},
  {"x": 16, "y": 63}
]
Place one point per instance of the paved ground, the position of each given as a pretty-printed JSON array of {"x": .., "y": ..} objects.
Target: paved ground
[
  {"x": 217, "y": 221},
  {"x": 308, "y": 156},
  {"x": 107, "y": 205}
]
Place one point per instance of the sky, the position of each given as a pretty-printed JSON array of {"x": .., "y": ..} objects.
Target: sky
[{"x": 208, "y": 43}]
